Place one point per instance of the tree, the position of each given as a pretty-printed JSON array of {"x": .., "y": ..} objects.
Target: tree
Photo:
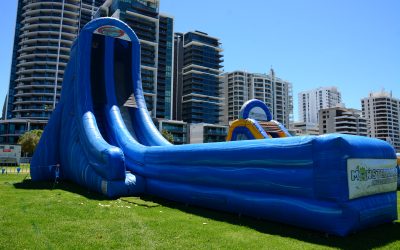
[
  {"x": 167, "y": 135},
  {"x": 29, "y": 141}
]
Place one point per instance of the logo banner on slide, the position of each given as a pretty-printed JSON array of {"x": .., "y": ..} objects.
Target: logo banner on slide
[
  {"x": 112, "y": 32},
  {"x": 371, "y": 176}
]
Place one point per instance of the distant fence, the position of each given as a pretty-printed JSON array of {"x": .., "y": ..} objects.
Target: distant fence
[
  {"x": 26, "y": 160},
  {"x": 21, "y": 169},
  {"x": 23, "y": 160}
]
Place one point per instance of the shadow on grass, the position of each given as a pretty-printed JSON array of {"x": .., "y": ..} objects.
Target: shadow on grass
[
  {"x": 367, "y": 239},
  {"x": 63, "y": 185}
]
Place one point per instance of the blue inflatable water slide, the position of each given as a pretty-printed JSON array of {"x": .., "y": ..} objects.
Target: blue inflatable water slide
[{"x": 101, "y": 136}]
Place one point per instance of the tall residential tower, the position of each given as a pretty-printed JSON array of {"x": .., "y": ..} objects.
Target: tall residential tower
[
  {"x": 197, "y": 78},
  {"x": 155, "y": 33},
  {"x": 382, "y": 112},
  {"x": 311, "y": 101},
  {"x": 241, "y": 86},
  {"x": 44, "y": 33}
]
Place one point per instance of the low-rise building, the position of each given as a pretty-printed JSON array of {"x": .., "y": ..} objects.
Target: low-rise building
[
  {"x": 178, "y": 129},
  {"x": 303, "y": 128},
  {"x": 10, "y": 132},
  {"x": 204, "y": 133},
  {"x": 342, "y": 120}
]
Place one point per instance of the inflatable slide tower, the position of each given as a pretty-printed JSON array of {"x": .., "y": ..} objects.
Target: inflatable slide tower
[{"x": 101, "y": 136}]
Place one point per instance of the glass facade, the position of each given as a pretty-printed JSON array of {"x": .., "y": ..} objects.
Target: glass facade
[
  {"x": 11, "y": 130},
  {"x": 201, "y": 87},
  {"x": 214, "y": 134},
  {"x": 143, "y": 19},
  {"x": 179, "y": 130},
  {"x": 88, "y": 11},
  {"x": 164, "y": 75},
  {"x": 205, "y": 133},
  {"x": 155, "y": 33}
]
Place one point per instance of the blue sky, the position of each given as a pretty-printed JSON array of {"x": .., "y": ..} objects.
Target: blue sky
[{"x": 354, "y": 45}]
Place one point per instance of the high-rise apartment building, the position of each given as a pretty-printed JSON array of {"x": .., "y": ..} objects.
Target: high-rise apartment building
[
  {"x": 165, "y": 67},
  {"x": 382, "y": 112},
  {"x": 155, "y": 33},
  {"x": 342, "y": 120},
  {"x": 44, "y": 33},
  {"x": 236, "y": 90},
  {"x": 241, "y": 86},
  {"x": 311, "y": 101},
  {"x": 178, "y": 81},
  {"x": 88, "y": 10},
  {"x": 197, "y": 78}
]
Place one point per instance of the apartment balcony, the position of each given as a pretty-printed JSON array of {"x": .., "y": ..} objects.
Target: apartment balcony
[
  {"x": 43, "y": 50},
  {"x": 48, "y": 18},
  {"x": 383, "y": 122},
  {"x": 13, "y": 132},
  {"x": 43, "y": 63},
  {"x": 383, "y": 116},
  {"x": 201, "y": 68},
  {"x": 32, "y": 26},
  {"x": 37, "y": 50},
  {"x": 215, "y": 133},
  {"x": 25, "y": 102},
  {"x": 38, "y": 15},
  {"x": 198, "y": 62},
  {"x": 46, "y": 11},
  {"x": 33, "y": 34},
  {"x": 38, "y": 41},
  {"x": 348, "y": 132},
  {"x": 348, "y": 129},
  {"x": 37, "y": 78},
  {"x": 33, "y": 4},
  {"x": 346, "y": 116},
  {"x": 145, "y": 23},
  {"x": 29, "y": 109},
  {"x": 200, "y": 44},
  {"x": 35, "y": 116},
  {"x": 36, "y": 85},
  {"x": 341, "y": 123},
  {"x": 48, "y": 70},
  {"x": 32, "y": 57},
  {"x": 27, "y": 94},
  {"x": 176, "y": 130}
]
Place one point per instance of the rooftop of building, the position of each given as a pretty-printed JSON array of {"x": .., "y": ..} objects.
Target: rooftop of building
[
  {"x": 381, "y": 93},
  {"x": 332, "y": 88},
  {"x": 261, "y": 75}
]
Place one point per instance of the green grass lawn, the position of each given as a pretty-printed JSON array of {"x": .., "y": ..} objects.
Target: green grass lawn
[{"x": 65, "y": 216}]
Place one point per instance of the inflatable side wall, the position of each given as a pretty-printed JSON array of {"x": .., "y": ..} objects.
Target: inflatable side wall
[{"x": 102, "y": 137}]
